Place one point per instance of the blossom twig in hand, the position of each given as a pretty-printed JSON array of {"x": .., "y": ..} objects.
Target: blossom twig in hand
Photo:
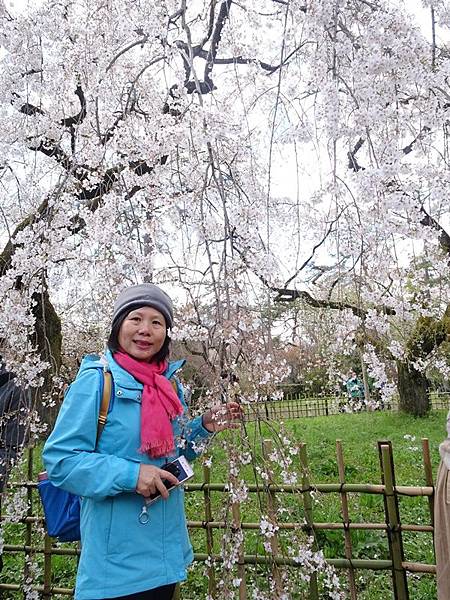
[{"x": 222, "y": 416}]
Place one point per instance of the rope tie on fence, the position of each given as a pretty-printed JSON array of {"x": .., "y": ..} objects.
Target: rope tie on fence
[
  {"x": 341, "y": 487},
  {"x": 346, "y": 525}
]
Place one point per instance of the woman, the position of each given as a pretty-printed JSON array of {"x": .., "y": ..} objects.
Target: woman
[{"x": 123, "y": 556}]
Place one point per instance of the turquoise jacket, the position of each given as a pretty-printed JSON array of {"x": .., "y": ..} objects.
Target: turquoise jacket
[{"x": 119, "y": 555}]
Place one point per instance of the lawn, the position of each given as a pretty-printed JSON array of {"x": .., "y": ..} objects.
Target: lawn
[{"x": 359, "y": 434}]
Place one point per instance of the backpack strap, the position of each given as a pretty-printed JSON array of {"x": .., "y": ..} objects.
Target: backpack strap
[
  {"x": 106, "y": 398},
  {"x": 174, "y": 383}
]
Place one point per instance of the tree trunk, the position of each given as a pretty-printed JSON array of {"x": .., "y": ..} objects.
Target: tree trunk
[
  {"x": 413, "y": 390},
  {"x": 365, "y": 378},
  {"x": 48, "y": 339}
]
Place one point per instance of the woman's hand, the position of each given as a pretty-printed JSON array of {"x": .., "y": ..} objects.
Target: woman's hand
[
  {"x": 222, "y": 416},
  {"x": 150, "y": 481}
]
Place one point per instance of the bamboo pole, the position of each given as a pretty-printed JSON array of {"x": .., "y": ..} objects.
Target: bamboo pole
[
  {"x": 236, "y": 526},
  {"x": 22, "y": 548},
  {"x": 346, "y": 520},
  {"x": 28, "y": 526},
  {"x": 324, "y": 488},
  {"x": 338, "y": 563},
  {"x": 428, "y": 477},
  {"x": 47, "y": 591},
  {"x": 15, "y": 587},
  {"x": 272, "y": 515},
  {"x": 307, "y": 504},
  {"x": 295, "y": 526},
  {"x": 209, "y": 531},
  {"x": 399, "y": 580}
]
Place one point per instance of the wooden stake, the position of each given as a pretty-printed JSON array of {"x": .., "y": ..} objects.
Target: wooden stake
[
  {"x": 307, "y": 504},
  {"x": 272, "y": 514},
  {"x": 346, "y": 520},
  {"x": 399, "y": 580},
  {"x": 209, "y": 531}
]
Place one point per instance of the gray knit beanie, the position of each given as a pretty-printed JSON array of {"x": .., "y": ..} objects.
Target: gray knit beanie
[{"x": 144, "y": 294}]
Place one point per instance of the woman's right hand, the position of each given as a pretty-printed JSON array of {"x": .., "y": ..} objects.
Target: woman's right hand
[{"x": 150, "y": 481}]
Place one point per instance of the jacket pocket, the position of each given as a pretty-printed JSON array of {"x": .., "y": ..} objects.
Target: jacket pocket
[{"x": 120, "y": 530}]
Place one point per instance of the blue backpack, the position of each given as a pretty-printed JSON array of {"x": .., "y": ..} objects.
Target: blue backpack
[{"x": 61, "y": 508}]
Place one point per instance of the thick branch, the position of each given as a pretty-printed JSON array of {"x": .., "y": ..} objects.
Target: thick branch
[
  {"x": 289, "y": 295},
  {"x": 238, "y": 60},
  {"x": 79, "y": 117},
  {"x": 407, "y": 149},
  {"x": 352, "y": 162},
  {"x": 30, "y": 110},
  {"x": 215, "y": 41},
  {"x": 53, "y": 150},
  {"x": 444, "y": 237}
]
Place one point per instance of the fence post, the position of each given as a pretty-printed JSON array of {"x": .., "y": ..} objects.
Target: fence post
[
  {"x": 399, "y": 579},
  {"x": 47, "y": 592},
  {"x": 346, "y": 520},
  {"x": 428, "y": 476},
  {"x": 209, "y": 531},
  {"x": 307, "y": 504},
  {"x": 236, "y": 526},
  {"x": 28, "y": 528},
  {"x": 271, "y": 513}
]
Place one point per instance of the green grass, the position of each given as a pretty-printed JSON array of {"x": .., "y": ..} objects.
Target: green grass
[{"x": 359, "y": 434}]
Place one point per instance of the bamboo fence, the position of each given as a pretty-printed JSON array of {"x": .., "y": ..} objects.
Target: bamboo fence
[
  {"x": 294, "y": 406},
  {"x": 35, "y": 543}
]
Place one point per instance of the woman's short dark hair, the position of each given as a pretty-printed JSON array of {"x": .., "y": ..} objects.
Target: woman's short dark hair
[{"x": 113, "y": 340}]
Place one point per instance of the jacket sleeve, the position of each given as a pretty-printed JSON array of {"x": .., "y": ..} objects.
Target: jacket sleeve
[
  {"x": 69, "y": 453},
  {"x": 194, "y": 437}
]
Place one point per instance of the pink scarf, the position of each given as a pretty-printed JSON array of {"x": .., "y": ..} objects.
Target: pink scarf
[{"x": 160, "y": 404}]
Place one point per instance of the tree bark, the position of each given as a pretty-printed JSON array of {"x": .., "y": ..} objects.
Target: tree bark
[
  {"x": 47, "y": 336},
  {"x": 413, "y": 389}
]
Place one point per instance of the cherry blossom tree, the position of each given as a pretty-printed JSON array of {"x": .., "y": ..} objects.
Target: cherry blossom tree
[{"x": 241, "y": 154}]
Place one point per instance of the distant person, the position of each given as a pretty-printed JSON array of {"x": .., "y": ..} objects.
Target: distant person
[
  {"x": 355, "y": 391},
  {"x": 15, "y": 404}
]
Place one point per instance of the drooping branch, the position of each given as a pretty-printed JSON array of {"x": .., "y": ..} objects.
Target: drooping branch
[{"x": 316, "y": 247}]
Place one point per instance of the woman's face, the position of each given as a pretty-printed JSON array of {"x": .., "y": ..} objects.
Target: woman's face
[{"x": 142, "y": 333}]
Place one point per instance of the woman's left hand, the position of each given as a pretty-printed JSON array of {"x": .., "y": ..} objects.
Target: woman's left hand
[{"x": 222, "y": 416}]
